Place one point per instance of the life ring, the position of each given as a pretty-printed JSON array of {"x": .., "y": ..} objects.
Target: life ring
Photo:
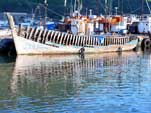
[
  {"x": 82, "y": 50},
  {"x": 119, "y": 49},
  {"x": 146, "y": 43},
  {"x": 146, "y": 49}
]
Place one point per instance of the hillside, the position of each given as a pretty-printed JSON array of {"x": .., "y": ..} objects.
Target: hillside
[{"x": 56, "y": 7}]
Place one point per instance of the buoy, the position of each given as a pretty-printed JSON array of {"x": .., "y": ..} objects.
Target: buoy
[
  {"x": 146, "y": 49},
  {"x": 119, "y": 49},
  {"x": 146, "y": 43},
  {"x": 81, "y": 51}
]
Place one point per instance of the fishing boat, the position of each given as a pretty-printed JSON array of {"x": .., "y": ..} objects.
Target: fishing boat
[{"x": 38, "y": 41}]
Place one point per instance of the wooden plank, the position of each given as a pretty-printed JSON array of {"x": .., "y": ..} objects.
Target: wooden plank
[
  {"x": 91, "y": 40},
  {"x": 27, "y": 32},
  {"x": 81, "y": 39},
  {"x": 126, "y": 39},
  {"x": 48, "y": 35},
  {"x": 58, "y": 37},
  {"x": 36, "y": 33},
  {"x": 51, "y": 35},
  {"x": 20, "y": 29},
  {"x": 31, "y": 34},
  {"x": 76, "y": 39},
  {"x": 71, "y": 38},
  {"x": 96, "y": 41},
  {"x": 55, "y": 36},
  {"x": 44, "y": 35},
  {"x": 64, "y": 39},
  {"x": 122, "y": 41},
  {"x": 11, "y": 21},
  {"x": 39, "y": 36},
  {"x": 61, "y": 39},
  {"x": 89, "y": 43},
  {"x": 114, "y": 41},
  {"x": 68, "y": 39}
]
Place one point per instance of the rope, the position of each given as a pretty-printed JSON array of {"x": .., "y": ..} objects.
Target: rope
[
  {"x": 148, "y": 6},
  {"x": 53, "y": 11},
  {"x": 136, "y": 10},
  {"x": 42, "y": 5}
]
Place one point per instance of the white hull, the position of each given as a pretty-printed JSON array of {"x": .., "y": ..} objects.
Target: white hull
[
  {"x": 52, "y": 42},
  {"x": 5, "y": 33},
  {"x": 25, "y": 46}
]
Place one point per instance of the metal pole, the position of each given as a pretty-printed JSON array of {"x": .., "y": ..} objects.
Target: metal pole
[
  {"x": 118, "y": 5},
  {"x": 46, "y": 5},
  {"x": 148, "y": 6},
  {"x": 65, "y": 7},
  {"x": 110, "y": 7},
  {"x": 71, "y": 8},
  {"x": 142, "y": 7},
  {"x": 97, "y": 7},
  {"x": 105, "y": 7},
  {"x": 121, "y": 7},
  {"x": 86, "y": 11},
  {"x": 75, "y": 5},
  {"x": 116, "y": 10}
]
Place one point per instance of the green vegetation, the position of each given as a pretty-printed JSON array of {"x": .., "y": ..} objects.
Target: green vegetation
[{"x": 129, "y": 6}]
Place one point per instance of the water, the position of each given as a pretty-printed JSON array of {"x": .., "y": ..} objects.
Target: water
[{"x": 105, "y": 83}]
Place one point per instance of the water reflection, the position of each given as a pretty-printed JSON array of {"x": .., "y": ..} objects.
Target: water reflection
[
  {"x": 101, "y": 83},
  {"x": 65, "y": 71}
]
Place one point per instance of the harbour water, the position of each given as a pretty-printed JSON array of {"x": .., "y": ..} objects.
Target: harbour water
[{"x": 102, "y": 83}]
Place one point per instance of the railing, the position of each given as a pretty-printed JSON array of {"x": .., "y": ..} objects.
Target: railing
[{"x": 43, "y": 36}]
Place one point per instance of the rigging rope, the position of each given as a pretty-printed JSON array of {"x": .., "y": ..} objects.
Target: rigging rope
[
  {"x": 148, "y": 6},
  {"x": 42, "y": 5}
]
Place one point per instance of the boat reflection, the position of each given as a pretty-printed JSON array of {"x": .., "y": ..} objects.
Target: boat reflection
[{"x": 49, "y": 75}]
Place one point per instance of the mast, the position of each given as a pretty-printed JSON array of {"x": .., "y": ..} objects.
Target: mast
[
  {"x": 106, "y": 13},
  {"x": 75, "y": 5},
  {"x": 78, "y": 5},
  {"x": 122, "y": 7},
  {"x": 65, "y": 7},
  {"x": 106, "y": 7},
  {"x": 65, "y": 3},
  {"x": 46, "y": 6},
  {"x": 118, "y": 6},
  {"x": 110, "y": 7},
  {"x": 86, "y": 12},
  {"x": 97, "y": 7},
  {"x": 142, "y": 7},
  {"x": 71, "y": 7}
]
